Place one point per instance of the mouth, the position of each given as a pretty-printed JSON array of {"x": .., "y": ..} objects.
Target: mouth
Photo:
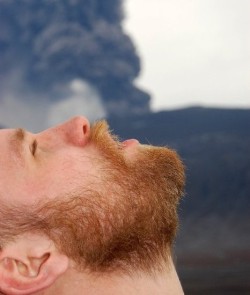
[{"x": 130, "y": 142}]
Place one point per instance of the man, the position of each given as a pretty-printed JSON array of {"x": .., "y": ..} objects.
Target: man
[{"x": 82, "y": 213}]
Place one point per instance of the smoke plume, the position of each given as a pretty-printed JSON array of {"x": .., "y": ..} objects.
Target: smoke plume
[{"x": 52, "y": 43}]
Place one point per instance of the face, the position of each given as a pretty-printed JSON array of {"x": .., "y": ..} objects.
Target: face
[
  {"x": 51, "y": 163},
  {"x": 106, "y": 204}
]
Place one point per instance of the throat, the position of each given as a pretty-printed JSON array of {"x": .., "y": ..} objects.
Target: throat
[{"x": 164, "y": 283}]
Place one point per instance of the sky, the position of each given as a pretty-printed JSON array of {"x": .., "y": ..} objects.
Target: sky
[{"x": 193, "y": 52}]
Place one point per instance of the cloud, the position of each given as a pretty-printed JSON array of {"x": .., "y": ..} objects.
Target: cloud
[
  {"x": 83, "y": 100},
  {"x": 17, "y": 112},
  {"x": 77, "y": 98}
]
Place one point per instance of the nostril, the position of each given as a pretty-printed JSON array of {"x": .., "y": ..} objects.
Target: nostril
[
  {"x": 82, "y": 129},
  {"x": 76, "y": 130},
  {"x": 85, "y": 129}
]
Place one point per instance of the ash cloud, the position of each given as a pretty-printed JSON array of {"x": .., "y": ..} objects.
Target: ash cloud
[{"x": 52, "y": 43}]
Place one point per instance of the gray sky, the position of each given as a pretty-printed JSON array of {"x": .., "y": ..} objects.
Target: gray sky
[{"x": 194, "y": 52}]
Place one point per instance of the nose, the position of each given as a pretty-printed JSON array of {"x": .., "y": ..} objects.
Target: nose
[{"x": 75, "y": 131}]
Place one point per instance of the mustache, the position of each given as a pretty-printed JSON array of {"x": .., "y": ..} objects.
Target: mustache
[
  {"x": 109, "y": 144},
  {"x": 100, "y": 129}
]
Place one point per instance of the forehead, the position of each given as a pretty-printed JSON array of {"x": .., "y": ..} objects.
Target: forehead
[
  {"x": 10, "y": 149},
  {"x": 5, "y": 131},
  {"x": 5, "y": 135},
  {"x": 8, "y": 168}
]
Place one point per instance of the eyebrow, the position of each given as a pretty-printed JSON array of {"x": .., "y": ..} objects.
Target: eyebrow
[{"x": 16, "y": 145}]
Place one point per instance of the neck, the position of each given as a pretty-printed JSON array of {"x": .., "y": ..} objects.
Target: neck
[{"x": 164, "y": 283}]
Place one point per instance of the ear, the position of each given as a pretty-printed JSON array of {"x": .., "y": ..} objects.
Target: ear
[{"x": 30, "y": 264}]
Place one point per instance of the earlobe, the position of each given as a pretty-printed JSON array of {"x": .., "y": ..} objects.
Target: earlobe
[{"x": 23, "y": 274}]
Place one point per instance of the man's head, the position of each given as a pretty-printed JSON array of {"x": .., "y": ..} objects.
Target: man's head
[{"x": 87, "y": 199}]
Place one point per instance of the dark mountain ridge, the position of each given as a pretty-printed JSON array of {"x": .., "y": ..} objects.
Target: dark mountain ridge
[{"x": 178, "y": 124}]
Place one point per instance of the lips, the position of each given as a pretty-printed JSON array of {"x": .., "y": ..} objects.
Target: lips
[{"x": 130, "y": 142}]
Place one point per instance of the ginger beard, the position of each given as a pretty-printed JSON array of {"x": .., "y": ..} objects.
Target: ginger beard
[{"x": 125, "y": 223}]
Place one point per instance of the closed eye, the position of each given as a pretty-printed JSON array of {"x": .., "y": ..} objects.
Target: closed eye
[{"x": 33, "y": 147}]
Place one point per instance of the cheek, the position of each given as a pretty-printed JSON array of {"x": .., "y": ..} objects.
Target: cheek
[
  {"x": 66, "y": 176},
  {"x": 46, "y": 186},
  {"x": 57, "y": 177}
]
